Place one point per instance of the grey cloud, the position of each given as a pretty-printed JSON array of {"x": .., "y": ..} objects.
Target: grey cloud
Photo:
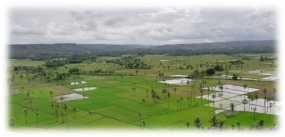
[{"x": 144, "y": 26}]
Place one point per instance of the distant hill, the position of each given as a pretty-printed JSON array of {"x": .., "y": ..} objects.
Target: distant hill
[{"x": 21, "y": 51}]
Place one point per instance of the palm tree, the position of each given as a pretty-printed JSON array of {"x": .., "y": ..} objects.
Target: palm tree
[
  {"x": 213, "y": 96},
  {"x": 255, "y": 97},
  {"x": 62, "y": 113},
  {"x": 181, "y": 99},
  {"x": 175, "y": 90},
  {"x": 140, "y": 115},
  {"x": 201, "y": 91},
  {"x": 11, "y": 122},
  {"x": 75, "y": 110},
  {"x": 177, "y": 103},
  {"x": 31, "y": 103},
  {"x": 260, "y": 124},
  {"x": 244, "y": 101},
  {"x": 254, "y": 109},
  {"x": 52, "y": 105},
  {"x": 26, "y": 113},
  {"x": 188, "y": 124},
  {"x": 197, "y": 123},
  {"x": 143, "y": 123},
  {"x": 208, "y": 92},
  {"x": 189, "y": 99},
  {"x": 57, "y": 105},
  {"x": 50, "y": 92},
  {"x": 244, "y": 87},
  {"x": 65, "y": 107},
  {"x": 232, "y": 106},
  {"x": 264, "y": 91},
  {"x": 146, "y": 92},
  {"x": 168, "y": 95},
  {"x": 221, "y": 88},
  {"x": 274, "y": 91},
  {"x": 214, "y": 122},
  {"x": 28, "y": 96},
  {"x": 56, "y": 114},
  {"x": 37, "y": 113}
]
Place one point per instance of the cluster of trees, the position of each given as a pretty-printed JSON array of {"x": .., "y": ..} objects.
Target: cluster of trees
[
  {"x": 55, "y": 63},
  {"x": 130, "y": 62},
  {"x": 217, "y": 124},
  {"x": 64, "y": 50},
  {"x": 266, "y": 58}
]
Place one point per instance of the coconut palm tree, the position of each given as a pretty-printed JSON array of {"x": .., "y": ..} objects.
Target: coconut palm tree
[
  {"x": 56, "y": 114},
  {"x": 264, "y": 92},
  {"x": 213, "y": 96},
  {"x": 188, "y": 124},
  {"x": 221, "y": 88},
  {"x": 52, "y": 105},
  {"x": 11, "y": 122},
  {"x": 65, "y": 107},
  {"x": 26, "y": 113},
  {"x": 146, "y": 92},
  {"x": 140, "y": 115},
  {"x": 168, "y": 95},
  {"x": 214, "y": 122},
  {"x": 254, "y": 109},
  {"x": 50, "y": 92},
  {"x": 57, "y": 105},
  {"x": 244, "y": 87},
  {"x": 232, "y": 106},
  {"x": 208, "y": 92},
  {"x": 175, "y": 90},
  {"x": 31, "y": 103},
  {"x": 197, "y": 123},
  {"x": 28, "y": 96},
  {"x": 62, "y": 113},
  {"x": 260, "y": 124},
  {"x": 244, "y": 101},
  {"x": 201, "y": 91},
  {"x": 180, "y": 100},
  {"x": 255, "y": 97},
  {"x": 75, "y": 109},
  {"x": 37, "y": 113},
  {"x": 189, "y": 99},
  {"x": 177, "y": 103}
]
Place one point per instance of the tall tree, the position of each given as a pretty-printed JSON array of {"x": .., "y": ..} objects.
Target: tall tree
[
  {"x": 244, "y": 87},
  {"x": 232, "y": 107},
  {"x": 26, "y": 113},
  {"x": 201, "y": 91},
  {"x": 214, "y": 122},
  {"x": 180, "y": 100},
  {"x": 198, "y": 123},
  {"x": 213, "y": 96},
  {"x": 255, "y": 97},
  {"x": 37, "y": 113},
  {"x": 62, "y": 113},
  {"x": 75, "y": 109},
  {"x": 140, "y": 116},
  {"x": 244, "y": 101},
  {"x": 56, "y": 115},
  {"x": 254, "y": 109},
  {"x": 264, "y": 91},
  {"x": 168, "y": 95},
  {"x": 11, "y": 122},
  {"x": 50, "y": 92}
]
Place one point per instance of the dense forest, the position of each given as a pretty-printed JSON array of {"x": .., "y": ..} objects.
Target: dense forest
[{"x": 67, "y": 50}]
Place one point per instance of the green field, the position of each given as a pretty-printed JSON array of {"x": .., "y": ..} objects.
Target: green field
[{"x": 125, "y": 101}]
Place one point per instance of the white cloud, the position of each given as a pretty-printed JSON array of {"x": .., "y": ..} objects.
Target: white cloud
[{"x": 145, "y": 26}]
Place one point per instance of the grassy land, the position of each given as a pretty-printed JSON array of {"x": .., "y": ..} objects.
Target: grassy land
[{"x": 112, "y": 104}]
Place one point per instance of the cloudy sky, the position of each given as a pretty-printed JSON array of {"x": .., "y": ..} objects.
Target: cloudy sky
[{"x": 166, "y": 25}]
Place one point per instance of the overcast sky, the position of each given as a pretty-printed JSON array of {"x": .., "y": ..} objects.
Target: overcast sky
[{"x": 141, "y": 25}]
